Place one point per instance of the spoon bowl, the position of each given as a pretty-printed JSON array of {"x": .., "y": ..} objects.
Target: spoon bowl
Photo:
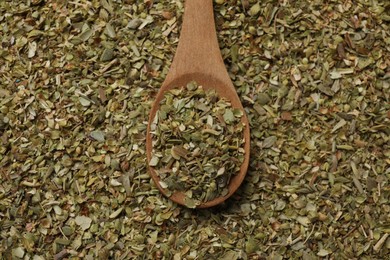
[{"x": 198, "y": 59}]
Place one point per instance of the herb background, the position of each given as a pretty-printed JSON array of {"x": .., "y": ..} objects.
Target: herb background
[{"x": 77, "y": 80}]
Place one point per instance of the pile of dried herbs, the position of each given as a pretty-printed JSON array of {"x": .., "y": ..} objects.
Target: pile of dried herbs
[
  {"x": 197, "y": 143},
  {"x": 77, "y": 80}
]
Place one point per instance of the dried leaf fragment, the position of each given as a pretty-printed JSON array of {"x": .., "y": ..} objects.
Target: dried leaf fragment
[
  {"x": 98, "y": 135},
  {"x": 84, "y": 222},
  {"x": 110, "y": 31},
  {"x": 32, "y": 48},
  {"x": 255, "y": 9}
]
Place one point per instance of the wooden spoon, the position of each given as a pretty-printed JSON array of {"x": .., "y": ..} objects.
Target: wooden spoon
[{"x": 198, "y": 58}]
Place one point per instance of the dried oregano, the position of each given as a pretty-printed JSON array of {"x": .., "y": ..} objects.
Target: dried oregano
[{"x": 197, "y": 143}]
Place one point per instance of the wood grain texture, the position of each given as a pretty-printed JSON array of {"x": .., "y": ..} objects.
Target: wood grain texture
[{"x": 199, "y": 59}]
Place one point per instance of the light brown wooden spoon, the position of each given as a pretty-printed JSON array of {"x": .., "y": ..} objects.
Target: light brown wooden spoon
[{"x": 198, "y": 58}]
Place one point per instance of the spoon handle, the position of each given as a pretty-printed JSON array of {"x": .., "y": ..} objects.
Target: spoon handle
[{"x": 198, "y": 50}]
